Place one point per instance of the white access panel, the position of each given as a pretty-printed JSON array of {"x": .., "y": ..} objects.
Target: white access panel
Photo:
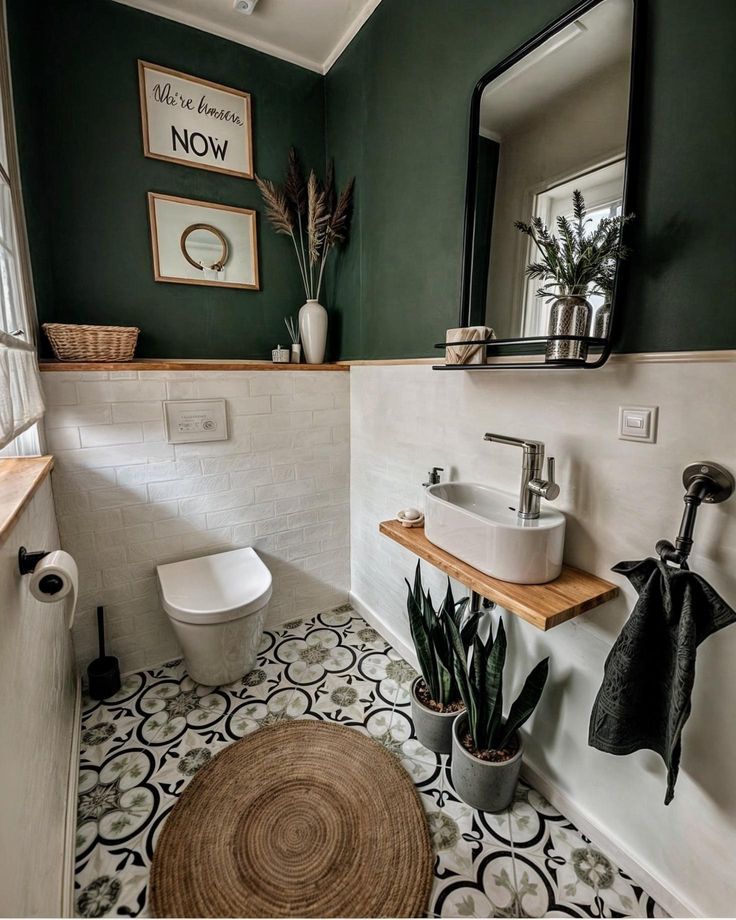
[{"x": 192, "y": 420}]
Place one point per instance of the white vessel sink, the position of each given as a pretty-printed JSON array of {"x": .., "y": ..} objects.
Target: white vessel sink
[{"x": 480, "y": 526}]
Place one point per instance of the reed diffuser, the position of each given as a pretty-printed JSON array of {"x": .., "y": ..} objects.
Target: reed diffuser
[{"x": 292, "y": 327}]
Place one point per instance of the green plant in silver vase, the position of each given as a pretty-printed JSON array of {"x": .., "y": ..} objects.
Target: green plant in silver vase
[
  {"x": 486, "y": 747},
  {"x": 578, "y": 262},
  {"x": 435, "y": 695}
]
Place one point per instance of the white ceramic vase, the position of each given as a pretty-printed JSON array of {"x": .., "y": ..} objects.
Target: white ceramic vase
[{"x": 313, "y": 331}]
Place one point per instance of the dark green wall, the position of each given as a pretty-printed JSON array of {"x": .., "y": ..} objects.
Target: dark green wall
[
  {"x": 85, "y": 177},
  {"x": 397, "y": 115}
]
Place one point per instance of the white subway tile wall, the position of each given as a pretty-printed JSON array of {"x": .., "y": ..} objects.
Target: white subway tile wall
[{"x": 126, "y": 500}]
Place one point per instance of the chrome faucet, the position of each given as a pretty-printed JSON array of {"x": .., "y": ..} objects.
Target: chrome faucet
[{"x": 533, "y": 487}]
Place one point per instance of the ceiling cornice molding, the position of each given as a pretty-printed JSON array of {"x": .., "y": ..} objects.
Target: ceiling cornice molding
[
  {"x": 357, "y": 24},
  {"x": 233, "y": 35},
  {"x": 197, "y": 22}
]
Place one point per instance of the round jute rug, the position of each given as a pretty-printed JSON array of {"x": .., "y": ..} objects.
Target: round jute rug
[{"x": 299, "y": 819}]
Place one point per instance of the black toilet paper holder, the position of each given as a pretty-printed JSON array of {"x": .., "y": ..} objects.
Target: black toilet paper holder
[{"x": 27, "y": 561}]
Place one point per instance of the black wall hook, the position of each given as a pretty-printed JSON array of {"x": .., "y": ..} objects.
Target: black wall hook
[
  {"x": 27, "y": 562},
  {"x": 704, "y": 481}
]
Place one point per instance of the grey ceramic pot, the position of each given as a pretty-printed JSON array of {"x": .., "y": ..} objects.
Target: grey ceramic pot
[
  {"x": 480, "y": 783},
  {"x": 434, "y": 729},
  {"x": 570, "y": 315}
]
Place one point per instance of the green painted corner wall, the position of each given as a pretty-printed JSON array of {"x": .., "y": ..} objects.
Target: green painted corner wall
[
  {"x": 397, "y": 105},
  {"x": 85, "y": 178},
  {"x": 393, "y": 111}
]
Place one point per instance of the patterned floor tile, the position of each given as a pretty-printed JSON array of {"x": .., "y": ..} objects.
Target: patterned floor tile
[
  {"x": 140, "y": 748},
  {"x": 391, "y": 674},
  {"x": 345, "y": 698},
  {"x": 569, "y": 874},
  {"x": 309, "y": 659}
]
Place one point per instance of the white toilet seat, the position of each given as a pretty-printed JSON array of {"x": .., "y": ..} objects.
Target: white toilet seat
[{"x": 215, "y": 589}]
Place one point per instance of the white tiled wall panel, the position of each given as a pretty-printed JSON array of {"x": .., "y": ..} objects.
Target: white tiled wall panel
[
  {"x": 619, "y": 498},
  {"x": 127, "y": 500},
  {"x": 38, "y": 688}
]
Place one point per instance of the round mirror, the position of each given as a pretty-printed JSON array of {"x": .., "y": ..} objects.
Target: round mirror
[{"x": 204, "y": 246}]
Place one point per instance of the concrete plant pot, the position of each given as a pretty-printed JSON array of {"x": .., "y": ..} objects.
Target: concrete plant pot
[
  {"x": 480, "y": 783},
  {"x": 434, "y": 729}
]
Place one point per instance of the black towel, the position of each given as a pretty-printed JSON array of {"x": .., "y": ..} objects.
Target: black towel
[{"x": 644, "y": 700}]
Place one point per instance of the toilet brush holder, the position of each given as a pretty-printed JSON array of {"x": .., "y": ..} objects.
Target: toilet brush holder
[{"x": 103, "y": 674}]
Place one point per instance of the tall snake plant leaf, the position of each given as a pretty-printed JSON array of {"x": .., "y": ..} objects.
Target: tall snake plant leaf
[
  {"x": 442, "y": 662},
  {"x": 448, "y": 604},
  {"x": 421, "y": 637},
  {"x": 483, "y": 703},
  {"x": 467, "y": 622},
  {"x": 526, "y": 701},
  {"x": 461, "y": 672},
  {"x": 494, "y": 686},
  {"x": 445, "y": 684},
  {"x": 428, "y": 610},
  {"x": 417, "y": 590}
]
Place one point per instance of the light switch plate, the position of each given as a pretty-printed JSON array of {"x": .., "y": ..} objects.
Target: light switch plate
[
  {"x": 190, "y": 421},
  {"x": 638, "y": 423}
]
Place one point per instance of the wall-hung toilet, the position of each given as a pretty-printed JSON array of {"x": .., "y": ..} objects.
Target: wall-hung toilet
[{"x": 217, "y": 605}]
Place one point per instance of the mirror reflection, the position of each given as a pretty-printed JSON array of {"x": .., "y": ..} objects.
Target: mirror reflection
[
  {"x": 554, "y": 122},
  {"x": 204, "y": 247}
]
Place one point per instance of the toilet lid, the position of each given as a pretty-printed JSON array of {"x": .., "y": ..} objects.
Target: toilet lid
[{"x": 215, "y": 589}]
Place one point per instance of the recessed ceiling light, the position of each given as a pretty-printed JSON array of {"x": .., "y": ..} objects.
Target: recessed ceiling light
[{"x": 245, "y": 6}]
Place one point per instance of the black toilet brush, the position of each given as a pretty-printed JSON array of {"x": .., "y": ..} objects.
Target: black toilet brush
[{"x": 103, "y": 673}]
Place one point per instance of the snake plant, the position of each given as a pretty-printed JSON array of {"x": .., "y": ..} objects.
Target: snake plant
[
  {"x": 433, "y": 639},
  {"x": 480, "y": 680}
]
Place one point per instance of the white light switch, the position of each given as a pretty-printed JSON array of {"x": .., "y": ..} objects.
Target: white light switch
[{"x": 638, "y": 423}]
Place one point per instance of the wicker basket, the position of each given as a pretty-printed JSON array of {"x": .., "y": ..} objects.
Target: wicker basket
[{"x": 92, "y": 343}]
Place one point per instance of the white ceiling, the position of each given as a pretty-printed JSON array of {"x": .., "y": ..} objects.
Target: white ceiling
[
  {"x": 598, "y": 40},
  {"x": 311, "y": 33}
]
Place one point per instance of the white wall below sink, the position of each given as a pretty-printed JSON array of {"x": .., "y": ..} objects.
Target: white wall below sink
[{"x": 619, "y": 497}]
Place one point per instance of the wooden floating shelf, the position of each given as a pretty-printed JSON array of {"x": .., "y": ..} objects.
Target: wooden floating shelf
[
  {"x": 183, "y": 364},
  {"x": 20, "y": 478},
  {"x": 544, "y": 606}
]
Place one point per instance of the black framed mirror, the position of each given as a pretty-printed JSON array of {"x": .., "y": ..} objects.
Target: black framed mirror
[{"x": 553, "y": 119}]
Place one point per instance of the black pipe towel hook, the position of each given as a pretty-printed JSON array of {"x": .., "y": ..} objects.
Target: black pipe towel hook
[{"x": 704, "y": 481}]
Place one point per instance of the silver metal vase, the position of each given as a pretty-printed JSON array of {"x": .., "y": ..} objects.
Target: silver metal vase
[
  {"x": 570, "y": 315},
  {"x": 602, "y": 321}
]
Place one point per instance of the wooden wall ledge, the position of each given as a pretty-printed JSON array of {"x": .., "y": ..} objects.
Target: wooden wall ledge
[
  {"x": 184, "y": 364},
  {"x": 544, "y": 606},
  {"x": 20, "y": 478}
]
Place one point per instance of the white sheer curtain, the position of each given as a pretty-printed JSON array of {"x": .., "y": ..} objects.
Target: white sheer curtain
[{"x": 21, "y": 400}]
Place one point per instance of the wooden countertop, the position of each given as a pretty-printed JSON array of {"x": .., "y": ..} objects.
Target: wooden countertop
[
  {"x": 20, "y": 478},
  {"x": 184, "y": 364},
  {"x": 544, "y": 606}
]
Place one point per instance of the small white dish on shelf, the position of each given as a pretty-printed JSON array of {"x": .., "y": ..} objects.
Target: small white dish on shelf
[{"x": 410, "y": 517}]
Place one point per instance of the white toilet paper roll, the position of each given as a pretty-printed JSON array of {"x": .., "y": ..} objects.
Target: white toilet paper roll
[{"x": 56, "y": 578}]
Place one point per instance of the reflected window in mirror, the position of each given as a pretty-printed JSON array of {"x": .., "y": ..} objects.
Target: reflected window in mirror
[
  {"x": 553, "y": 119},
  {"x": 603, "y": 190}
]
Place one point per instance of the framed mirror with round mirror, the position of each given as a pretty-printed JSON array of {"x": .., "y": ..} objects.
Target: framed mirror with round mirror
[
  {"x": 200, "y": 242},
  {"x": 553, "y": 119}
]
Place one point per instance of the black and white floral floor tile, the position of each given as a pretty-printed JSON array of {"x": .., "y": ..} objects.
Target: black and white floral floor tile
[{"x": 140, "y": 748}]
